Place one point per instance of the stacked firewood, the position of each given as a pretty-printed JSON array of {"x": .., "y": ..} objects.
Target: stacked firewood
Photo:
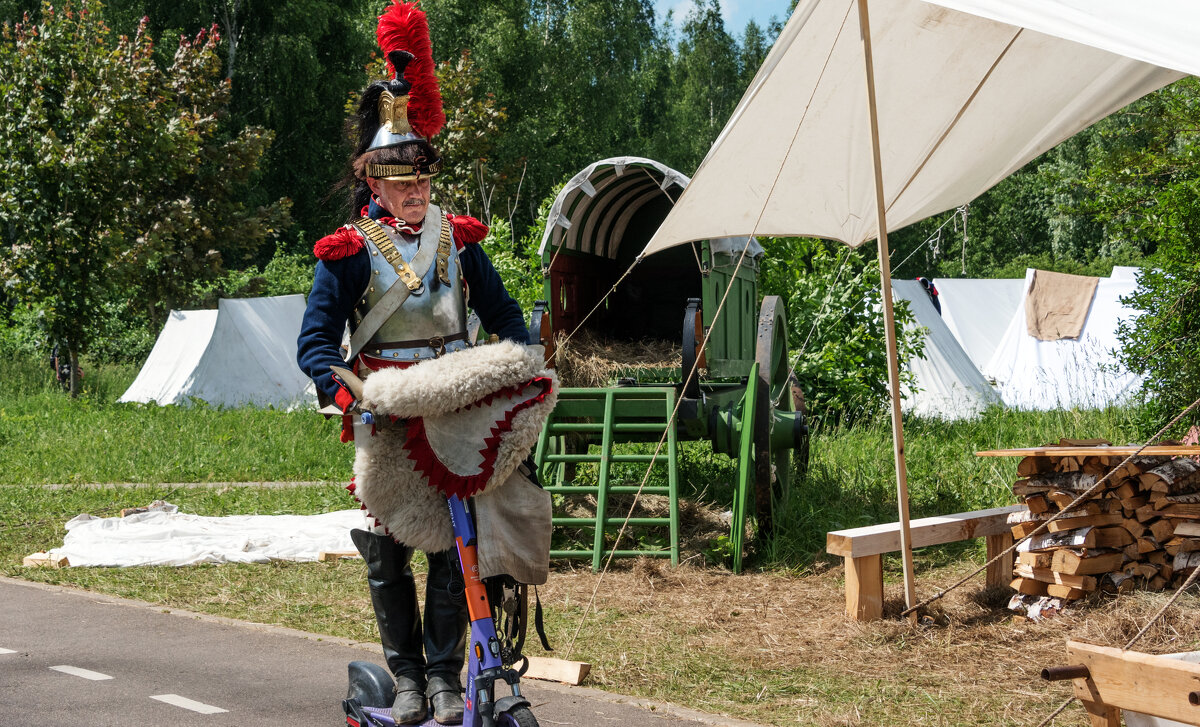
[{"x": 1141, "y": 529}]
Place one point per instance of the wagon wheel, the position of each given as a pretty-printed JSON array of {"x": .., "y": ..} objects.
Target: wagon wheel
[{"x": 778, "y": 391}]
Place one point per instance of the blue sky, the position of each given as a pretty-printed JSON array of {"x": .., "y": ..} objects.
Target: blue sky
[{"x": 736, "y": 12}]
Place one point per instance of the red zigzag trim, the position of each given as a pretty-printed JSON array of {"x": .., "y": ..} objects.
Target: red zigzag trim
[{"x": 463, "y": 486}]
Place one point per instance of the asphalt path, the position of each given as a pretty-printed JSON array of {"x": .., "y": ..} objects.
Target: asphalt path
[{"x": 69, "y": 657}]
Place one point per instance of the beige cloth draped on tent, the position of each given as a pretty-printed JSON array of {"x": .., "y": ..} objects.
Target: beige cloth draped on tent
[{"x": 1057, "y": 304}]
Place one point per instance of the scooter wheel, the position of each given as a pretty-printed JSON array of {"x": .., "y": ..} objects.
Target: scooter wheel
[{"x": 517, "y": 717}]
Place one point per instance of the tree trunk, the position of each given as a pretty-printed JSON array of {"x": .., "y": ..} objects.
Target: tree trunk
[{"x": 74, "y": 358}]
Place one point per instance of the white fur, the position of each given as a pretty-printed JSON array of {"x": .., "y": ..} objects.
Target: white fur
[
  {"x": 441, "y": 385},
  {"x": 412, "y": 511},
  {"x": 386, "y": 483}
]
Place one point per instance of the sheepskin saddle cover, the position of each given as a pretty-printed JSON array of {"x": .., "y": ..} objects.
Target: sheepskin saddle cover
[{"x": 455, "y": 425}]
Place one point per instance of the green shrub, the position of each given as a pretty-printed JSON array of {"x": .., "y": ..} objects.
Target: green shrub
[{"x": 836, "y": 332}]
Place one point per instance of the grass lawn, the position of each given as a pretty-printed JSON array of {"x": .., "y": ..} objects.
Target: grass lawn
[{"x": 772, "y": 645}]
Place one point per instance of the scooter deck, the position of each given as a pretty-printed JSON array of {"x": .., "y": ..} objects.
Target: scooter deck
[{"x": 382, "y": 717}]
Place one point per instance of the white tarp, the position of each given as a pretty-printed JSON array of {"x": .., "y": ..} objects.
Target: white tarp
[
  {"x": 163, "y": 536},
  {"x": 243, "y": 353},
  {"x": 977, "y": 311},
  {"x": 595, "y": 208},
  {"x": 1068, "y": 373},
  {"x": 948, "y": 384},
  {"x": 968, "y": 91},
  {"x": 617, "y": 188}
]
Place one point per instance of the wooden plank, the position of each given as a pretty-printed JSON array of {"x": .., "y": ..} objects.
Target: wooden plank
[
  {"x": 557, "y": 670},
  {"x": 1072, "y": 523},
  {"x": 1038, "y": 560},
  {"x": 864, "y": 588},
  {"x": 1067, "y": 561},
  {"x": 1082, "y": 538},
  {"x": 1188, "y": 530},
  {"x": 1028, "y": 586},
  {"x": 1101, "y": 715},
  {"x": 42, "y": 559},
  {"x": 1153, "y": 685},
  {"x": 1058, "y": 590},
  {"x": 885, "y": 538},
  {"x": 1112, "y": 537},
  {"x": 1045, "y": 575},
  {"x": 328, "y": 556},
  {"x": 1120, "y": 451}
]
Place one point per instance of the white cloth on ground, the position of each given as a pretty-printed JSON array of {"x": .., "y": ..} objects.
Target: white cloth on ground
[{"x": 159, "y": 537}]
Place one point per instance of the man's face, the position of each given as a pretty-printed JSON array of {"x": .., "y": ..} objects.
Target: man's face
[{"x": 406, "y": 200}]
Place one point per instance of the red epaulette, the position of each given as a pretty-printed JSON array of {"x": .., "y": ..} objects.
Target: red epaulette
[
  {"x": 343, "y": 243},
  {"x": 467, "y": 230}
]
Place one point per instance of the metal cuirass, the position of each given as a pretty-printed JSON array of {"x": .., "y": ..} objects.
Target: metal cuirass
[{"x": 433, "y": 319}]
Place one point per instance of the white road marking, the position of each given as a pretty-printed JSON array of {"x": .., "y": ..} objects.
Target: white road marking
[
  {"x": 7, "y": 651},
  {"x": 186, "y": 703},
  {"x": 85, "y": 673}
]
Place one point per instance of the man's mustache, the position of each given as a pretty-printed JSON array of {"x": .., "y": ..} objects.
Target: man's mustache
[{"x": 413, "y": 202}]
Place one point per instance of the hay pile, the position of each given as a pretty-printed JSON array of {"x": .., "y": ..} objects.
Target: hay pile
[{"x": 588, "y": 360}]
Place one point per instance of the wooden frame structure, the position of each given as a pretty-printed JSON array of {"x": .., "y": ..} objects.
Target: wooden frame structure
[{"x": 1107, "y": 680}]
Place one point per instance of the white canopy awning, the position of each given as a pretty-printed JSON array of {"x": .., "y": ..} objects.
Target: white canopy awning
[
  {"x": 968, "y": 91},
  {"x": 920, "y": 108}
]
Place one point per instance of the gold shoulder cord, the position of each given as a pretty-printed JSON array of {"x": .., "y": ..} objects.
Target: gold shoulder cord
[
  {"x": 443, "y": 252},
  {"x": 375, "y": 234}
]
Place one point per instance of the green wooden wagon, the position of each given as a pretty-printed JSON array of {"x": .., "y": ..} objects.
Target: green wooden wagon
[{"x": 743, "y": 398}]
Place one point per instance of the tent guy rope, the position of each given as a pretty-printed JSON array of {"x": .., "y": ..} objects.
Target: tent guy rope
[{"x": 654, "y": 458}]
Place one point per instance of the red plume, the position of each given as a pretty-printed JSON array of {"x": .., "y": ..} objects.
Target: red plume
[{"x": 403, "y": 26}]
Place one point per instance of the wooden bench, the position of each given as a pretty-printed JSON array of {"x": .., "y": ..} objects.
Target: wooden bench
[{"x": 863, "y": 549}]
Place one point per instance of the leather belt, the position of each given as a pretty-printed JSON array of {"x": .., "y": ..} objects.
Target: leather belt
[{"x": 437, "y": 343}]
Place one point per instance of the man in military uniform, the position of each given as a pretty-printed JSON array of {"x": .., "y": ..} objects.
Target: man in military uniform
[{"x": 399, "y": 275}]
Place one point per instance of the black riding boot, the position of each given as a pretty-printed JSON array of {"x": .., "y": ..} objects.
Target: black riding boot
[
  {"x": 394, "y": 596},
  {"x": 445, "y": 635}
]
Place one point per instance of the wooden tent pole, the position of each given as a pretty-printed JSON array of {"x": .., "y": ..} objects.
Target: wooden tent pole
[{"x": 889, "y": 321}]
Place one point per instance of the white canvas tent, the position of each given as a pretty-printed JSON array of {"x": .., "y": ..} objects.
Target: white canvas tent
[
  {"x": 243, "y": 353},
  {"x": 863, "y": 121},
  {"x": 978, "y": 310},
  {"x": 948, "y": 384},
  {"x": 1067, "y": 373}
]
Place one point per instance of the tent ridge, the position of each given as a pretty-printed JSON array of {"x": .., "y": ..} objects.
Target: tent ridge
[{"x": 957, "y": 117}]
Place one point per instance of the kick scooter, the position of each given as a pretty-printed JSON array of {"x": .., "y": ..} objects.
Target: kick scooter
[{"x": 368, "y": 703}]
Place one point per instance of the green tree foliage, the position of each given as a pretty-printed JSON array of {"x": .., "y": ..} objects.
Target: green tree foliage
[
  {"x": 291, "y": 65},
  {"x": 836, "y": 331},
  {"x": 754, "y": 48},
  {"x": 706, "y": 82},
  {"x": 579, "y": 81},
  {"x": 117, "y": 182},
  {"x": 1144, "y": 184},
  {"x": 474, "y": 121},
  {"x": 1036, "y": 218}
]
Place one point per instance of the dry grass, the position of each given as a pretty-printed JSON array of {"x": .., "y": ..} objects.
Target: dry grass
[
  {"x": 771, "y": 647},
  {"x": 586, "y": 360},
  {"x": 777, "y": 648}
]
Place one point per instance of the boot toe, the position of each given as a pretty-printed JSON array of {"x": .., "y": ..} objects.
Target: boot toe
[
  {"x": 409, "y": 705},
  {"x": 445, "y": 696}
]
